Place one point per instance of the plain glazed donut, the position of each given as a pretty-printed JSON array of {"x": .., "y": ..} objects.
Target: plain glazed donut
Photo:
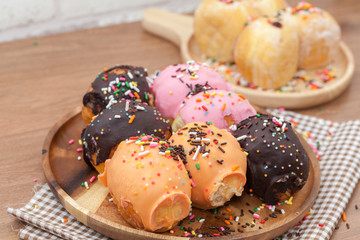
[
  {"x": 267, "y": 53},
  {"x": 218, "y": 24},
  {"x": 268, "y": 8},
  {"x": 318, "y": 32}
]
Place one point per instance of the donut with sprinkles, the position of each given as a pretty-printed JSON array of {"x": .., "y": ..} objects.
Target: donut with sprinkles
[
  {"x": 216, "y": 164},
  {"x": 120, "y": 121},
  {"x": 223, "y": 108},
  {"x": 319, "y": 34},
  {"x": 174, "y": 83},
  {"x": 113, "y": 84},
  {"x": 277, "y": 163},
  {"x": 148, "y": 182}
]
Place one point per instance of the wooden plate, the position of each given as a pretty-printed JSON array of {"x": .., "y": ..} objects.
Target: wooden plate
[
  {"x": 92, "y": 207},
  {"x": 178, "y": 29}
]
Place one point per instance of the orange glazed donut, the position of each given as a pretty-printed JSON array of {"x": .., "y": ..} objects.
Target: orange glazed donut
[
  {"x": 149, "y": 183},
  {"x": 215, "y": 162}
]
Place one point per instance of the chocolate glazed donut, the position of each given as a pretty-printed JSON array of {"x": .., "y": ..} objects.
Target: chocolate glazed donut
[
  {"x": 278, "y": 165},
  {"x": 120, "y": 121},
  {"x": 113, "y": 84}
]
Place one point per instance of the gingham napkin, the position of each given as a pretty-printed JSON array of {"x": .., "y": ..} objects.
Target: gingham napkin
[
  {"x": 46, "y": 218},
  {"x": 336, "y": 145}
]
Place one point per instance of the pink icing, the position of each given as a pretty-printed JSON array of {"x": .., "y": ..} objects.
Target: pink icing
[
  {"x": 170, "y": 87},
  {"x": 209, "y": 107}
]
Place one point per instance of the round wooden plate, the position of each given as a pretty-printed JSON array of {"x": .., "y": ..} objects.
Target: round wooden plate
[
  {"x": 65, "y": 174},
  {"x": 178, "y": 29}
]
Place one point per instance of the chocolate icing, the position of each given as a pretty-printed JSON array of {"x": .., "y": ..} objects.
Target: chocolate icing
[
  {"x": 113, "y": 125},
  {"x": 198, "y": 89},
  {"x": 277, "y": 162},
  {"x": 110, "y": 86}
]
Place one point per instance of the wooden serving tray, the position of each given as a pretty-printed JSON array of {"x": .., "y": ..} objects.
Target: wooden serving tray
[
  {"x": 178, "y": 29},
  {"x": 65, "y": 174}
]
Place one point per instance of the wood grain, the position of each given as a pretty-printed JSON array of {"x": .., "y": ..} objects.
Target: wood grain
[{"x": 39, "y": 84}]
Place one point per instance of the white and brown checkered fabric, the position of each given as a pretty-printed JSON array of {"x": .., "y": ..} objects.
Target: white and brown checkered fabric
[
  {"x": 339, "y": 160},
  {"x": 48, "y": 219},
  {"x": 337, "y": 145}
]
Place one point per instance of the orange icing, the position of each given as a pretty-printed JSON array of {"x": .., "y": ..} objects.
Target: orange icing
[
  {"x": 153, "y": 184},
  {"x": 225, "y": 163}
]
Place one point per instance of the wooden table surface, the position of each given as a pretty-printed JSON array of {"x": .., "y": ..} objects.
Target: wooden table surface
[{"x": 40, "y": 83}]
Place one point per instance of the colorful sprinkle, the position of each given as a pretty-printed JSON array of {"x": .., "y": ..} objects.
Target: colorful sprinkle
[
  {"x": 235, "y": 168},
  {"x": 92, "y": 179},
  {"x": 197, "y": 166},
  {"x": 132, "y": 119}
]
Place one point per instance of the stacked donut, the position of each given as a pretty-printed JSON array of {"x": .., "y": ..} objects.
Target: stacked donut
[
  {"x": 192, "y": 92},
  {"x": 154, "y": 174},
  {"x": 268, "y": 41}
]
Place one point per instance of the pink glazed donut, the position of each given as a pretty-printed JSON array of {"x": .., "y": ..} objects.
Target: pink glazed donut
[
  {"x": 176, "y": 82},
  {"x": 223, "y": 108}
]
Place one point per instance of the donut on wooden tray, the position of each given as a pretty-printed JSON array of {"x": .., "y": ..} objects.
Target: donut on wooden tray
[
  {"x": 268, "y": 8},
  {"x": 115, "y": 124},
  {"x": 318, "y": 32},
  {"x": 223, "y": 108},
  {"x": 217, "y": 25},
  {"x": 149, "y": 183},
  {"x": 113, "y": 84},
  {"x": 267, "y": 53},
  {"x": 277, "y": 164},
  {"x": 215, "y": 162},
  {"x": 174, "y": 83}
]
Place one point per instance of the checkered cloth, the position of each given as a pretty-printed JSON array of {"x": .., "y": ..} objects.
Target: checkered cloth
[
  {"x": 46, "y": 218},
  {"x": 336, "y": 145}
]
